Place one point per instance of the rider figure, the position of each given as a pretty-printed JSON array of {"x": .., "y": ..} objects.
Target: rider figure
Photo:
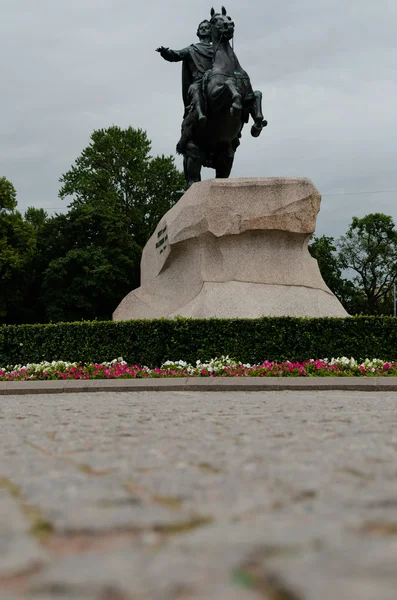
[{"x": 197, "y": 59}]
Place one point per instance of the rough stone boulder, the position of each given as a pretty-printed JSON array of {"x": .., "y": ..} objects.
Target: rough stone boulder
[{"x": 234, "y": 248}]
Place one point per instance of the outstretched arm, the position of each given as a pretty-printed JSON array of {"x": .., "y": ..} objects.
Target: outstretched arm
[{"x": 172, "y": 55}]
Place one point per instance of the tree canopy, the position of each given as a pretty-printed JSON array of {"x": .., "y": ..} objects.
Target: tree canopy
[
  {"x": 17, "y": 242},
  {"x": 369, "y": 249},
  {"x": 116, "y": 170},
  {"x": 80, "y": 265},
  {"x": 8, "y": 196}
]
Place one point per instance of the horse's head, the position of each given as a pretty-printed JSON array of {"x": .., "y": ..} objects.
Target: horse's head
[{"x": 222, "y": 26}]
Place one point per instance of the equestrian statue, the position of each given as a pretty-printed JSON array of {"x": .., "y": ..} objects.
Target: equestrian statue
[{"x": 218, "y": 99}]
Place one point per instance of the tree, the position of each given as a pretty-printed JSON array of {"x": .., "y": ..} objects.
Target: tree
[
  {"x": 17, "y": 240},
  {"x": 8, "y": 196},
  {"x": 90, "y": 257},
  {"x": 37, "y": 217},
  {"x": 89, "y": 263},
  {"x": 324, "y": 250},
  {"x": 86, "y": 284},
  {"x": 31, "y": 309},
  {"x": 369, "y": 249},
  {"x": 116, "y": 170}
]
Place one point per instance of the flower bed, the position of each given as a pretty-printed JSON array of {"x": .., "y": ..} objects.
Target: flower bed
[{"x": 222, "y": 367}]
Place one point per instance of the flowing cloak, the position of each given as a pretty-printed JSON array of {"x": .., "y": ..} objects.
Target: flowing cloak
[{"x": 197, "y": 60}]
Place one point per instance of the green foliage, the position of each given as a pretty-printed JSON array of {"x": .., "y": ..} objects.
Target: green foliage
[
  {"x": 80, "y": 265},
  {"x": 88, "y": 283},
  {"x": 369, "y": 248},
  {"x": 37, "y": 217},
  {"x": 89, "y": 262},
  {"x": 88, "y": 259},
  {"x": 324, "y": 250},
  {"x": 116, "y": 170},
  {"x": 17, "y": 242},
  {"x": 152, "y": 342},
  {"x": 8, "y": 196}
]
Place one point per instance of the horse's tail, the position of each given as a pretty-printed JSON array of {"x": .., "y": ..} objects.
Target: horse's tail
[{"x": 188, "y": 125}]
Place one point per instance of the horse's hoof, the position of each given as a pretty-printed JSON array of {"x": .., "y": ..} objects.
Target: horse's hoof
[
  {"x": 203, "y": 121},
  {"x": 256, "y": 130}
]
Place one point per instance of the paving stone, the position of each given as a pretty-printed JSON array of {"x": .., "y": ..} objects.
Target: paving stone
[
  {"x": 142, "y": 573},
  {"x": 19, "y": 551},
  {"x": 61, "y": 596},
  {"x": 186, "y": 495}
]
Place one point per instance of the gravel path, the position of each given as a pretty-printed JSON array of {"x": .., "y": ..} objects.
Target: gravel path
[{"x": 199, "y": 495}]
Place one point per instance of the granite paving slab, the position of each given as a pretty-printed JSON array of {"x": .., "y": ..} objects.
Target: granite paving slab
[{"x": 185, "y": 495}]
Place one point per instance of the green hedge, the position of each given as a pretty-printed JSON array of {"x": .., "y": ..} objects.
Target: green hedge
[{"x": 249, "y": 340}]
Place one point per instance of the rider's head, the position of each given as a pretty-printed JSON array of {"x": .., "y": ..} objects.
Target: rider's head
[{"x": 204, "y": 30}]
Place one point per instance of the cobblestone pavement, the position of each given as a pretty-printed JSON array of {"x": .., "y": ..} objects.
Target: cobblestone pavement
[{"x": 188, "y": 496}]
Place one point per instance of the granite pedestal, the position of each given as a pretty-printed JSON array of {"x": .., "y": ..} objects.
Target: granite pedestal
[{"x": 234, "y": 248}]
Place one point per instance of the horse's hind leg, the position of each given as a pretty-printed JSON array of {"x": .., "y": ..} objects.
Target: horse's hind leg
[
  {"x": 224, "y": 162},
  {"x": 192, "y": 164}
]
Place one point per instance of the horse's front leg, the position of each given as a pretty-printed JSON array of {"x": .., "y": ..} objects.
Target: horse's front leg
[
  {"x": 237, "y": 105},
  {"x": 217, "y": 92},
  {"x": 257, "y": 115},
  {"x": 224, "y": 93}
]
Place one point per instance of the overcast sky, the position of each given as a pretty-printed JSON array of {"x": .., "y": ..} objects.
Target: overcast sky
[{"x": 327, "y": 70}]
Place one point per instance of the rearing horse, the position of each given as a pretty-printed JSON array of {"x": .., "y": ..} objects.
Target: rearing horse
[{"x": 230, "y": 100}]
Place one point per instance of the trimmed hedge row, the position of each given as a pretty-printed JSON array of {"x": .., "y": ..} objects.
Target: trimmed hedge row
[{"x": 151, "y": 342}]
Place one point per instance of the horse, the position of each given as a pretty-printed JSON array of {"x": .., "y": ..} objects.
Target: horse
[{"x": 229, "y": 101}]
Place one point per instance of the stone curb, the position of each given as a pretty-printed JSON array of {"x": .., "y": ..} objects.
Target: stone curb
[{"x": 210, "y": 384}]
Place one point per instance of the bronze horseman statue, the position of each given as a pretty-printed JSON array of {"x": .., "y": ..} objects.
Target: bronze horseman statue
[{"x": 218, "y": 99}]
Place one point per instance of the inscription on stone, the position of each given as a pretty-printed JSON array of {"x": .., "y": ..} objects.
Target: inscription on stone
[{"x": 162, "y": 238}]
